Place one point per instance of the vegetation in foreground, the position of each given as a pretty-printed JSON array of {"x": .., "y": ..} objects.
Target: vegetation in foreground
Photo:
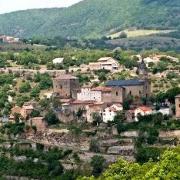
[{"x": 168, "y": 167}]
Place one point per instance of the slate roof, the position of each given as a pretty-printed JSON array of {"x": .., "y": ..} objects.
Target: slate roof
[{"x": 122, "y": 83}]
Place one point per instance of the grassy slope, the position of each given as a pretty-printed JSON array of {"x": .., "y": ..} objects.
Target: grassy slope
[{"x": 92, "y": 18}]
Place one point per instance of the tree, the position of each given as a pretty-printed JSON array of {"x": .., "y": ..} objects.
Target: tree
[
  {"x": 97, "y": 118},
  {"x": 98, "y": 164},
  {"x": 51, "y": 118},
  {"x": 35, "y": 92},
  {"x": 56, "y": 102},
  {"x": 166, "y": 167},
  {"x": 25, "y": 87},
  {"x": 45, "y": 81},
  {"x": 119, "y": 120},
  {"x": 79, "y": 113}
]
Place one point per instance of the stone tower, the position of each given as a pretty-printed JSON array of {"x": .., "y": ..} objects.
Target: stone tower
[
  {"x": 143, "y": 75},
  {"x": 66, "y": 86},
  {"x": 142, "y": 70}
]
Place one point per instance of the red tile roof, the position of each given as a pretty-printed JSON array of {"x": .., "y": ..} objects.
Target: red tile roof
[{"x": 145, "y": 108}]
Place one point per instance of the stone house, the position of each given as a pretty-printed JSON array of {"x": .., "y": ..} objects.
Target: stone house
[
  {"x": 177, "y": 104},
  {"x": 69, "y": 109},
  {"x": 24, "y": 111},
  {"x": 107, "y": 63},
  {"x": 96, "y": 107},
  {"x": 39, "y": 122}
]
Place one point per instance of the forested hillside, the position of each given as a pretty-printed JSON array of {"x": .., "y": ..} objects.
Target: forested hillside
[{"x": 92, "y": 18}]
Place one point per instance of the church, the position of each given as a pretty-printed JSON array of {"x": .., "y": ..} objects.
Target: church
[{"x": 137, "y": 88}]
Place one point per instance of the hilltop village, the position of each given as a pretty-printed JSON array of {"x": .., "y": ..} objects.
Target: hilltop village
[{"x": 106, "y": 108}]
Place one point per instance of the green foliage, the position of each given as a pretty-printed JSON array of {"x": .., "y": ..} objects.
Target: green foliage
[
  {"x": 94, "y": 146},
  {"x": 97, "y": 119},
  {"x": 98, "y": 163},
  {"x": 21, "y": 99},
  {"x": 48, "y": 165},
  {"x": 26, "y": 58},
  {"x": 51, "y": 118},
  {"x": 25, "y": 87},
  {"x": 169, "y": 94},
  {"x": 13, "y": 129},
  {"x": 160, "y": 67},
  {"x": 114, "y": 15},
  {"x": 44, "y": 80},
  {"x": 35, "y": 92},
  {"x": 102, "y": 74},
  {"x": 35, "y": 113},
  {"x": 6, "y": 79},
  {"x": 144, "y": 154},
  {"x": 166, "y": 168},
  {"x": 83, "y": 79}
]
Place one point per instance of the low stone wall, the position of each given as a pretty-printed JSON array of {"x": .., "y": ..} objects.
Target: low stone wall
[
  {"x": 170, "y": 134},
  {"x": 130, "y": 134}
]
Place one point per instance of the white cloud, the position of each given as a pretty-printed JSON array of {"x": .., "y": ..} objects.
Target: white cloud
[{"x": 14, "y": 5}]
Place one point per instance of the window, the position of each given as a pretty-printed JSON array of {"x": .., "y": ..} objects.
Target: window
[
  {"x": 140, "y": 92},
  {"x": 116, "y": 93},
  {"x": 130, "y": 93}
]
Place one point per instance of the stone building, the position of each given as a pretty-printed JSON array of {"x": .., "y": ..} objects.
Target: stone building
[
  {"x": 177, "y": 100},
  {"x": 39, "y": 122},
  {"x": 24, "y": 111},
  {"x": 110, "y": 112},
  {"x": 66, "y": 86},
  {"x": 107, "y": 95},
  {"x": 137, "y": 88},
  {"x": 107, "y": 63}
]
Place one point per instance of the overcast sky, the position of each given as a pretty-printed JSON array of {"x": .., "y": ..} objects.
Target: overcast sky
[{"x": 14, "y": 5}]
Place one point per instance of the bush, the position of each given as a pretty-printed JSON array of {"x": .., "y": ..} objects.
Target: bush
[
  {"x": 25, "y": 87},
  {"x": 98, "y": 164},
  {"x": 51, "y": 118}
]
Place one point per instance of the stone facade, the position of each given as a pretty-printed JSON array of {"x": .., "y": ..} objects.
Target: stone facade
[
  {"x": 102, "y": 94},
  {"x": 177, "y": 100},
  {"x": 39, "y": 122},
  {"x": 137, "y": 88},
  {"x": 66, "y": 86}
]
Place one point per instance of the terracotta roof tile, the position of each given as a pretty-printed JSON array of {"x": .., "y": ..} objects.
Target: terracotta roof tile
[{"x": 145, "y": 108}]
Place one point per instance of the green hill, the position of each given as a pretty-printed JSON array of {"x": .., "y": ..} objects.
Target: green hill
[{"x": 92, "y": 18}]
